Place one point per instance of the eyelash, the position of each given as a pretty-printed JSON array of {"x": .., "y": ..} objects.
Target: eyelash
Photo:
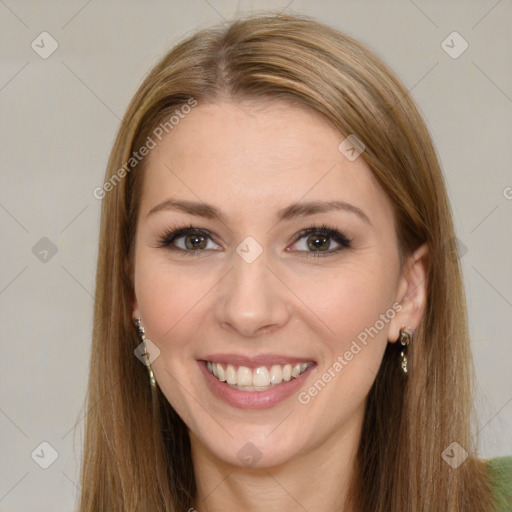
[{"x": 166, "y": 238}]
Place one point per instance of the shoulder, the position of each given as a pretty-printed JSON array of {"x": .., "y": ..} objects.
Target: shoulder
[{"x": 500, "y": 472}]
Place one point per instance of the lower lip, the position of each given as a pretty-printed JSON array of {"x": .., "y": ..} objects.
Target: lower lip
[{"x": 253, "y": 399}]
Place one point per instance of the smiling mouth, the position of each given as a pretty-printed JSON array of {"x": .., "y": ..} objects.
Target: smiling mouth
[{"x": 261, "y": 378}]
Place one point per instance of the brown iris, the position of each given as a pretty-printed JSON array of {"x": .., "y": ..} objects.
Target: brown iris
[
  {"x": 318, "y": 242},
  {"x": 193, "y": 242}
]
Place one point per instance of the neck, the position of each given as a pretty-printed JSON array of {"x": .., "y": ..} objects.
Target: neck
[{"x": 316, "y": 480}]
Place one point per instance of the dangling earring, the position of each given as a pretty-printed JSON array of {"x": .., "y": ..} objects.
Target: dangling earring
[
  {"x": 405, "y": 338},
  {"x": 144, "y": 352}
]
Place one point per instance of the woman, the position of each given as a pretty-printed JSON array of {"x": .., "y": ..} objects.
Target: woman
[{"x": 277, "y": 250}]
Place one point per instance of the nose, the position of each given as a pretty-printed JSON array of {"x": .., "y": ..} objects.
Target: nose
[{"x": 252, "y": 301}]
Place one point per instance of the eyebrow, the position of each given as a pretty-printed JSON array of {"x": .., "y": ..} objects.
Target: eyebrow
[{"x": 292, "y": 211}]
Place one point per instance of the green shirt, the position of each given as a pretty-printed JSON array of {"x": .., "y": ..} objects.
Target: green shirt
[{"x": 500, "y": 470}]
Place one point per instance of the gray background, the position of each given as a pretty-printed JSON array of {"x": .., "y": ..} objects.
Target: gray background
[{"x": 59, "y": 116}]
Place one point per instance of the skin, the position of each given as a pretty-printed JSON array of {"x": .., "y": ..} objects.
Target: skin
[{"x": 250, "y": 160}]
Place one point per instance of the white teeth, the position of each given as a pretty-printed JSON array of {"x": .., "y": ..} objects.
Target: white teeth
[
  {"x": 260, "y": 378},
  {"x": 287, "y": 372},
  {"x": 276, "y": 374},
  {"x": 230, "y": 375},
  {"x": 221, "y": 374},
  {"x": 244, "y": 376},
  {"x": 296, "y": 371}
]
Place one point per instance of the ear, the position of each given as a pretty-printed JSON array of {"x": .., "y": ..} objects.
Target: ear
[{"x": 411, "y": 293}]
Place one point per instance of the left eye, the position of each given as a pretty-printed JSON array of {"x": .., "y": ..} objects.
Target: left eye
[{"x": 321, "y": 240}]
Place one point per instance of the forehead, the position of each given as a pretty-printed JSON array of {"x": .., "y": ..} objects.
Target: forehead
[{"x": 255, "y": 156}]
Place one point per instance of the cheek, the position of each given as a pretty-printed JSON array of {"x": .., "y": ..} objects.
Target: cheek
[
  {"x": 351, "y": 301},
  {"x": 167, "y": 298}
]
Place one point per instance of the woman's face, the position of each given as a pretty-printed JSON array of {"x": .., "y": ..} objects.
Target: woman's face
[{"x": 283, "y": 280}]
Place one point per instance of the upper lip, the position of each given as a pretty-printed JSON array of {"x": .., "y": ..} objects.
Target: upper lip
[{"x": 255, "y": 361}]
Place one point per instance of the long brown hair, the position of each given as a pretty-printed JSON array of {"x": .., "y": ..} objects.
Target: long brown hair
[{"x": 137, "y": 452}]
